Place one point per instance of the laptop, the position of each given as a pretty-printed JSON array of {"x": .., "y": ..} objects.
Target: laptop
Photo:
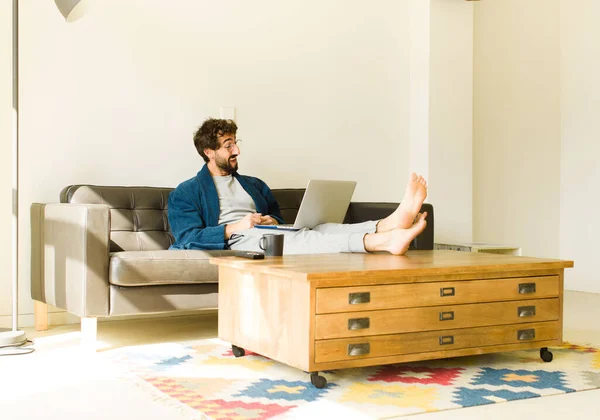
[{"x": 323, "y": 202}]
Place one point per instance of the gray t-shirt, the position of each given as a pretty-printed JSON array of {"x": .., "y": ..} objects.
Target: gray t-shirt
[{"x": 234, "y": 201}]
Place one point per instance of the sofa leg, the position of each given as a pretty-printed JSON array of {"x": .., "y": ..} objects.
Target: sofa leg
[
  {"x": 89, "y": 329},
  {"x": 40, "y": 316}
]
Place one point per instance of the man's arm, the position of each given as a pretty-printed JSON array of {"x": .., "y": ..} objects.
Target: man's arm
[{"x": 188, "y": 226}]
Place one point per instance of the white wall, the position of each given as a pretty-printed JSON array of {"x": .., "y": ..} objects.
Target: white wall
[
  {"x": 420, "y": 58},
  {"x": 451, "y": 120},
  {"x": 5, "y": 158},
  {"x": 516, "y": 125},
  {"x": 122, "y": 93},
  {"x": 580, "y": 170}
]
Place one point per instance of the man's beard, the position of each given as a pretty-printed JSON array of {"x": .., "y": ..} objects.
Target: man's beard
[{"x": 226, "y": 166}]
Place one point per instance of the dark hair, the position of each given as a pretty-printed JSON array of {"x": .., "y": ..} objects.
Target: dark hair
[{"x": 207, "y": 135}]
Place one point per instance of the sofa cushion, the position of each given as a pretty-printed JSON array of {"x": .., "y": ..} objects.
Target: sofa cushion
[{"x": 153, "y": 268}]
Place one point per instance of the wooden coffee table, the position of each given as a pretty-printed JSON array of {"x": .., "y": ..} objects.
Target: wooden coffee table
[{"x": 334, "y": 311}]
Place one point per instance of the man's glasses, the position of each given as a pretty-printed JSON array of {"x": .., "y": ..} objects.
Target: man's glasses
[{"x": 230, "y": 145}]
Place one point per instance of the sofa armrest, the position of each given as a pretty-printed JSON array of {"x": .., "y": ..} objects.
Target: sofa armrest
[{"x": 70, "y": 257}]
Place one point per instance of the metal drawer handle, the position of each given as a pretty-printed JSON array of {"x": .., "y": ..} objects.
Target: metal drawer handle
[
  {"x": 446, "y": 291},
  {"x": 525, "y": 311},
  {"x": 447, "y": 316},
  {"x": 526, "y": 288},
  {"x": 523, "y": 335},
  {"x": 359, "y": 349},
  {"x": 356, "y": 298},
  {"x": 359, "y": 323},
  {"x": 447, "y": 339}
]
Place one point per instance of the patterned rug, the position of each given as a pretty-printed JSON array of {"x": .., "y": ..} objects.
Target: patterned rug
[{"x": 205, "y": 379}]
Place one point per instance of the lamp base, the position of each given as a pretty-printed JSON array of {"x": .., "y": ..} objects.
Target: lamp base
[{"x": 12, "y": 338}]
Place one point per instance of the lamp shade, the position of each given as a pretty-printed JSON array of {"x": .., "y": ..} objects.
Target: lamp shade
[{"x": 71, "y": 9}]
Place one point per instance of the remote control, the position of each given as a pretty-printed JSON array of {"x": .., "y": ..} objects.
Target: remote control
[{"x": 250, "y": 255}]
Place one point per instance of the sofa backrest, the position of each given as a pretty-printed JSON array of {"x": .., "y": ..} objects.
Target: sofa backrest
[
  {"x": 289, "y": 200},
  {"x": 139, "y": 219}
]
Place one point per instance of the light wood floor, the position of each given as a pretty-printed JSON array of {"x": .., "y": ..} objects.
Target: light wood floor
[{"x": 59, "y": 381}]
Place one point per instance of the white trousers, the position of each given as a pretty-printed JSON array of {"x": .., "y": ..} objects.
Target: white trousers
[{"x": 323, "y": 239}]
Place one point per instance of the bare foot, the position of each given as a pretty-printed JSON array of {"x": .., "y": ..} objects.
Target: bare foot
[
  {"x": 401, "y": 238},
  {"x": 404, "y": 216},
  {"x": 396, "y": 241}
]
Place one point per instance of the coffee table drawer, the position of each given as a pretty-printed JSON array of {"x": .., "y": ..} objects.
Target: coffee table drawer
[
  {"x": 411, "y": 295},
  {"x": 398, "y": 344},
  {"x": 395, "y": 321}
]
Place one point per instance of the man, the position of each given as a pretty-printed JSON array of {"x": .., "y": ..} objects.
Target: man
[{"x": 218, "y": 208}]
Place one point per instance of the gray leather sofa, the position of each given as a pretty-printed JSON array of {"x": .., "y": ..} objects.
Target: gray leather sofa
[{"x": 103, "y": 251}]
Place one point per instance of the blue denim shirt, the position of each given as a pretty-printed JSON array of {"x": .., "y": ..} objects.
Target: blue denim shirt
[{"x": 194, "y": 210}]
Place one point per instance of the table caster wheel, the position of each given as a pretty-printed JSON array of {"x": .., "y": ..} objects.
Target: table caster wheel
[
  {"x": 317, "y": 380},
  {"x": 545, "y": 354},
  {"x": 237, "y": 351}
]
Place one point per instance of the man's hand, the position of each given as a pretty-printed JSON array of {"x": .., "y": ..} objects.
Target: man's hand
[
  {"x": 247, "y": 222},
  {"x": 268, "y": 220}
]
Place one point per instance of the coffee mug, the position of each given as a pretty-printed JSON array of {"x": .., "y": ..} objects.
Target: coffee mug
[{"x": 272, "y": 244}]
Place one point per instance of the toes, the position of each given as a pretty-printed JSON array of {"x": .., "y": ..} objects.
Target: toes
[
  {"x": 413, "y": 177},
  {"x": 415, "y": 220},
  {"x": 420, "y": 223}
]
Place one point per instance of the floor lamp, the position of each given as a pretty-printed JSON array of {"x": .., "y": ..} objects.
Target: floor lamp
[{"x": 71, "y": 10}]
